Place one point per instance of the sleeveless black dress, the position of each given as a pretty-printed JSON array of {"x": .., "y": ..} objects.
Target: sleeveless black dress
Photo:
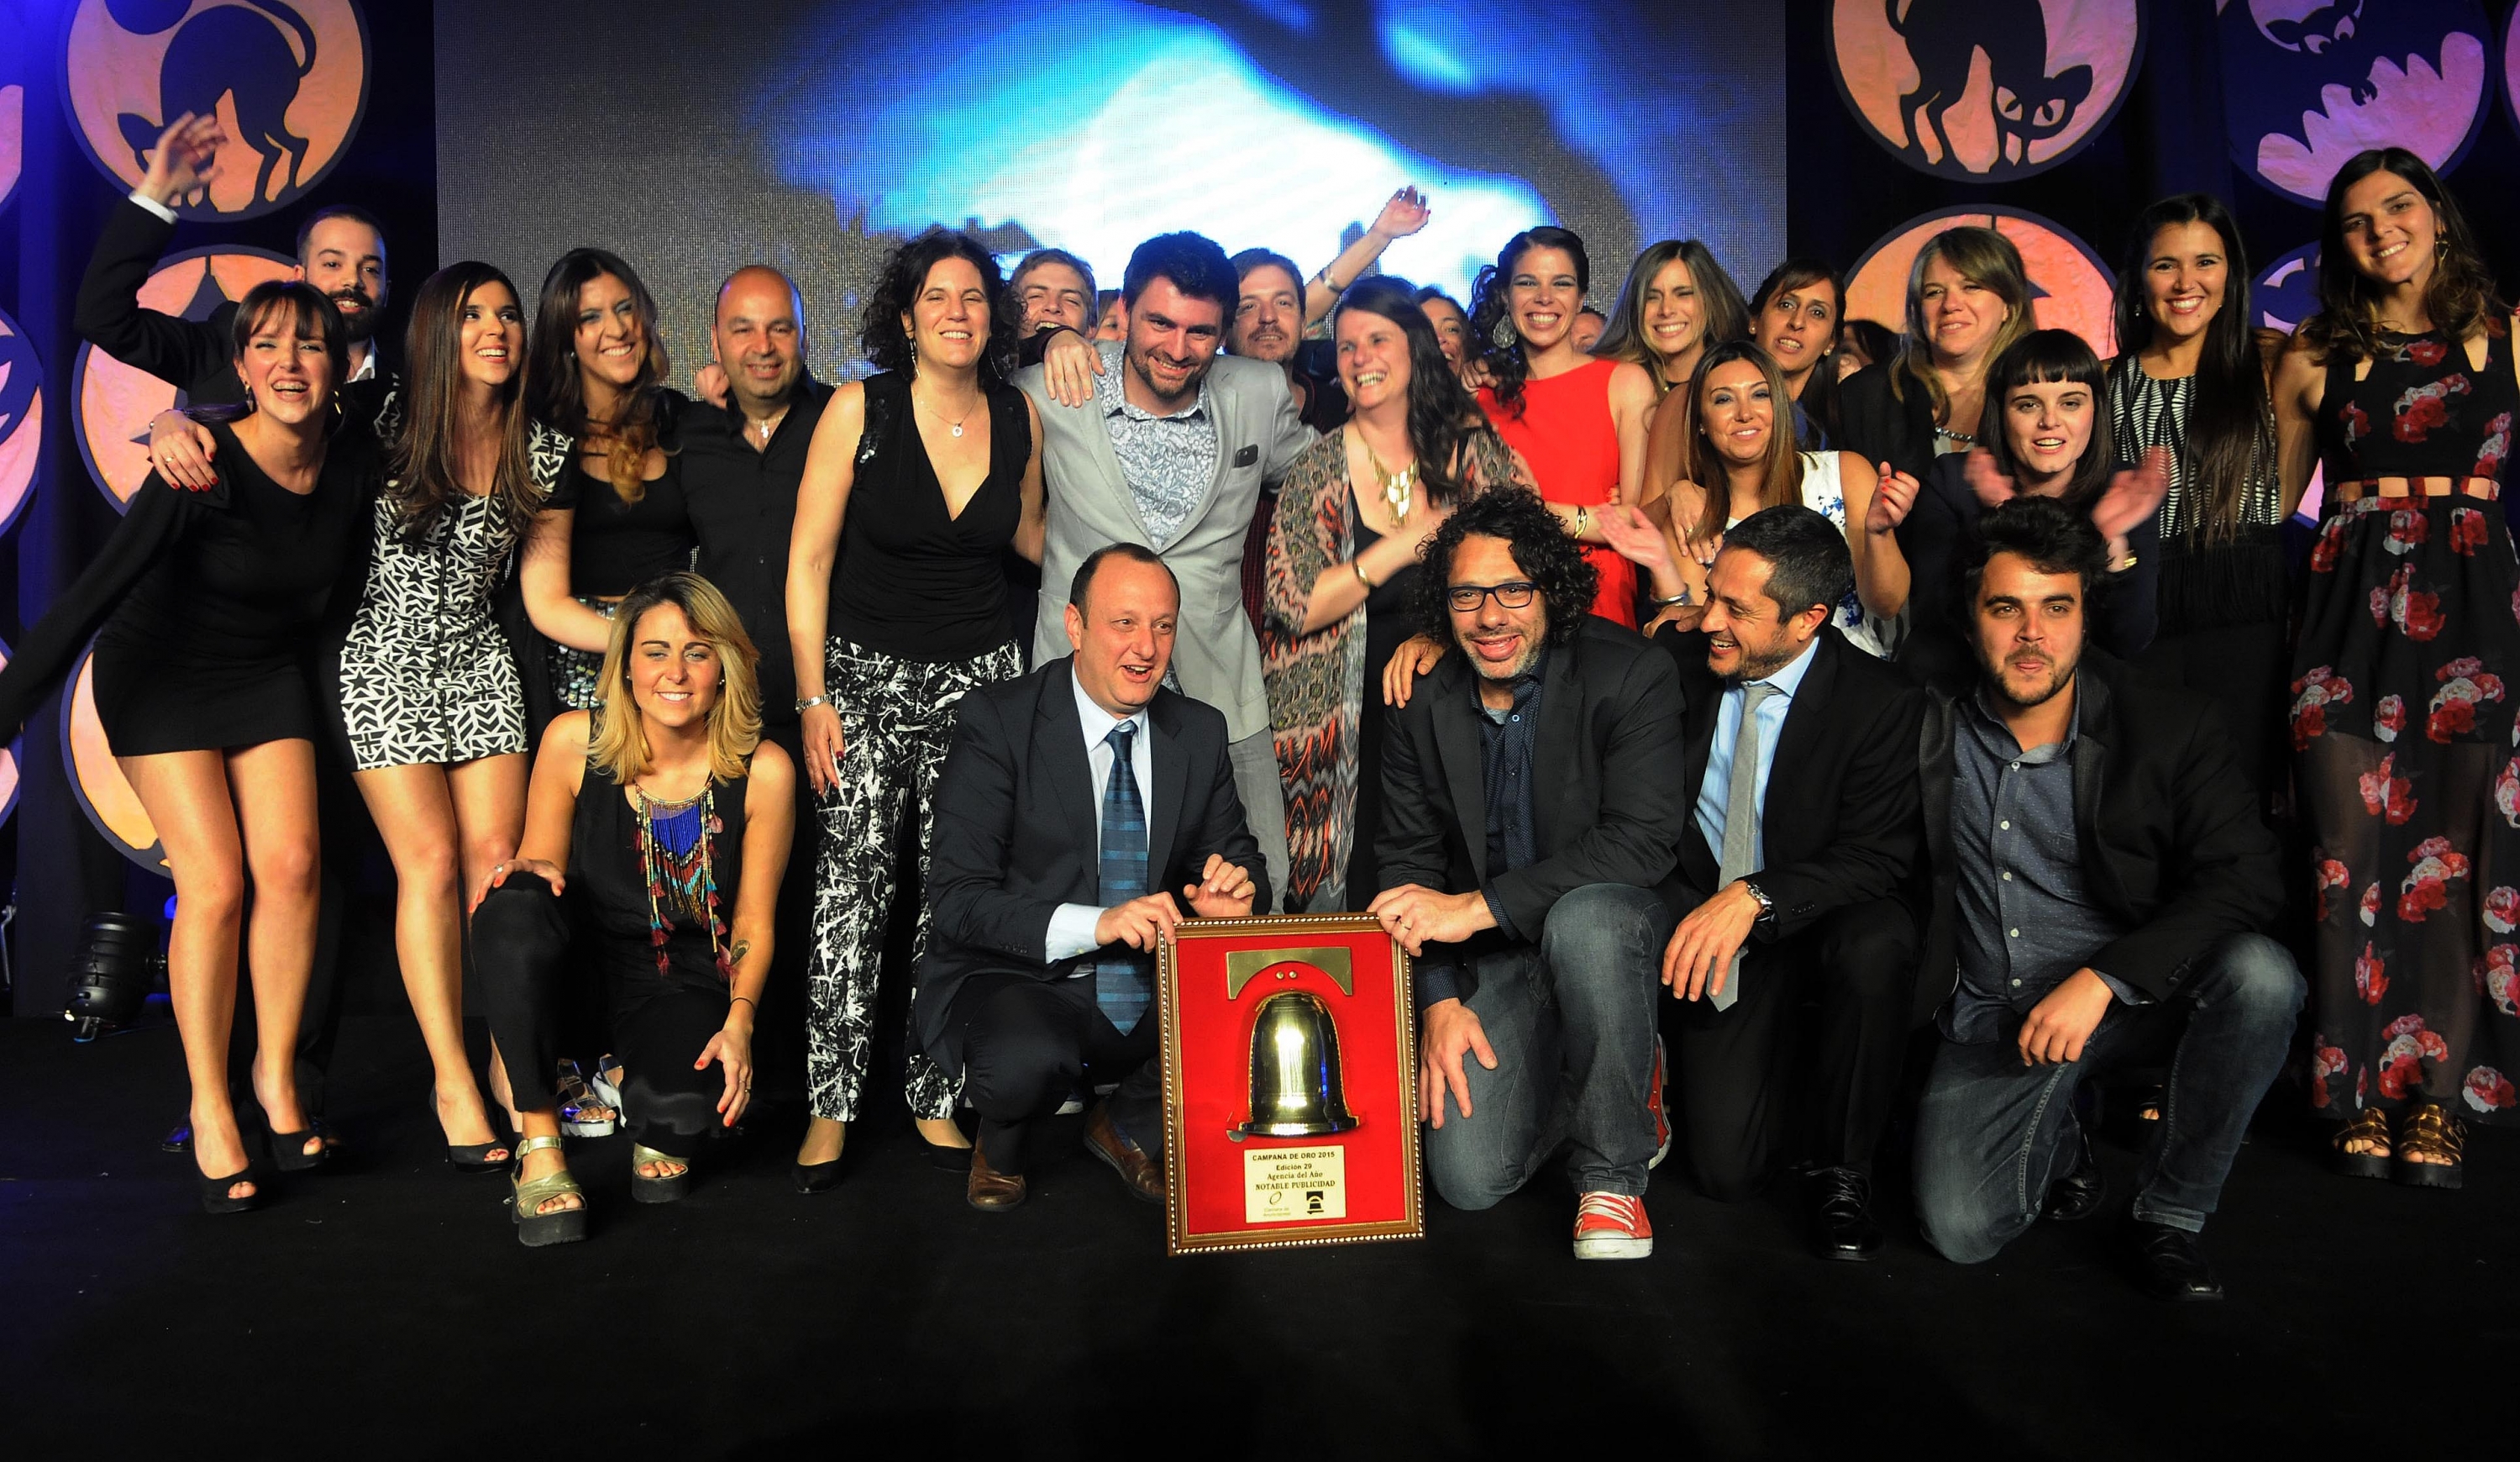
[
  {"x": 658, "y": 914},
  {"x": 2406, "y": 681}
]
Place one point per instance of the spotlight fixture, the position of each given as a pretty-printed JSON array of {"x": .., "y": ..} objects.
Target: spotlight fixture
[{"x": 117, "y": 966}]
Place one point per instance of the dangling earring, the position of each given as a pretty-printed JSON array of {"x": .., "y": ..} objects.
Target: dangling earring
[{"x": 1502, "y": 334}]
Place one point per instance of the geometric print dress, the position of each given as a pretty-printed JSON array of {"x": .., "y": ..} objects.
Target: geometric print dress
[
  {"x": 2407, "y": 681},
  {"x": 427, "y": 677}
]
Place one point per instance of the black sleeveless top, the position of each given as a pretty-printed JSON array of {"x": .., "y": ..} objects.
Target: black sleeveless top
[
  {"x": 2421, "y": 413},
  {"x": 608, "y": 880},
  {"x": 909, "y": 580},
  {"x": 615, "y": 546}
]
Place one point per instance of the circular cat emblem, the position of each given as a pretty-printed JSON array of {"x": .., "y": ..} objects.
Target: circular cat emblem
[
  {"x": 1983, "y": 92},
  {"x": 112, "y": 809},
  {"x": 287, "y": 80},
  {"x": 2069, "y": 285},
  {"x": 2309, "y": 83},
  {"x": 22, "y": 418},
  {"x": 113, "y": 403},
  {"x": 2287, "y": 292},
  {"x": 12, "y": 139}
]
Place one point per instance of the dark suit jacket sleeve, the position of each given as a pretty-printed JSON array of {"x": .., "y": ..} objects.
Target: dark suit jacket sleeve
[
  {"x": 1879, "y": 825},
  {"x": 181, "y": 352},
  {"x": 974, "y": 836},
  {"x": 1879, "y": 427},
  {"x": 1223, "y": 830},
  {"x": 1644, "y": 804},
  {"x": 2230, "y": 882},
  {"x": 2129, "y": 614},
  {"x": 1409, "y": 846},
  {"x": 158, "y": 516}
]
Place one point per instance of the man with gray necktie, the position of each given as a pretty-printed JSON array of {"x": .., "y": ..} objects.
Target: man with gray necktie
[{"x": 1801, "y": 751}]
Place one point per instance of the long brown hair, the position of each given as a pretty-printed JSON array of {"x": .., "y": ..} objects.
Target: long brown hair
[
  {"x": 1983, "y": 257},
  {"x": 1722, "y": 314},
  {"x": 2460, "y": 296},
  {"x": 1781, "y": 475},
  {"x": 2230, "y": 428},
  {"x": 422, "y": 477},
  {"x": 560, "y": 398},
  {"x": 617, "y": 743}
]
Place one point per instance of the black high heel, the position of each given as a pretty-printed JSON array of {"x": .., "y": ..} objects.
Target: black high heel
[
  {"x": 817, "y": 1177},
  {"x": 289, "y": 1152},
  {"x": 214, "y": 1192},
  {"x": 474, "y": 1157}
]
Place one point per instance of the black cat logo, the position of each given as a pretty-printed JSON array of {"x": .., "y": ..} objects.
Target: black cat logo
[
  {"x": 1943, "y": 38},
  {"x": 262, "y": 52}
]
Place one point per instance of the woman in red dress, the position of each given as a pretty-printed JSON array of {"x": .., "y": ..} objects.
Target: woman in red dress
[{"x": 1579, "y": 424}]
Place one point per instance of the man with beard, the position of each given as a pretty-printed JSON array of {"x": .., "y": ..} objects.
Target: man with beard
[
  {"x": 2100, "y": 877},
  {"x": 1798, "y": 756},
  {"x": 1168, "y": 450},
  {"x": 1532, "y": 803},
  {"x": 340, "y": 251}
]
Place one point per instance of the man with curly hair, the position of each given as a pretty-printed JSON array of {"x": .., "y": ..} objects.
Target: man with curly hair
[{"x": 1533, "y": 802}]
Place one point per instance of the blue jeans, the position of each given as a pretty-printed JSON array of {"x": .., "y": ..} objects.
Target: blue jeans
[
  {"x": 1572, "y": 1024},
  {"x": 1993, "y": 1134}
]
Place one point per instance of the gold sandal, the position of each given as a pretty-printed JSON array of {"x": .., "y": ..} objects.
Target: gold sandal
[
  {"x": 2431, "y": 1134},
  {"x": 665, "y": 1188},
  {"x": 534, "y": 1227},
  {"x": 2370, "y": 1125}
]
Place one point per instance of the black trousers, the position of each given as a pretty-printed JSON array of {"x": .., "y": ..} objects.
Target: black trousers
[
  {"x": 1025, "y": 1045},
  {"x": 1745, "y": 1079},
  {"x": 522, "y": 940}
]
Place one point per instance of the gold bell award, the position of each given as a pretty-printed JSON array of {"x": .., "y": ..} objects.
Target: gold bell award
[{"x": 1295, "y": 1088}]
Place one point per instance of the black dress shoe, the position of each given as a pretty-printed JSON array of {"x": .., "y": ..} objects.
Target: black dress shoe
[
  {"x": 2078, "y": 1193},
  {"x": 1841, "y": 1214},
  {"x": 2169, "y": 1264},
  {"x": 817, "y": 1177}
]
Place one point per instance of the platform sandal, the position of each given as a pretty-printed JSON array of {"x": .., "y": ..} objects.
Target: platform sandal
[
  {"x": 2370, "y": 1125},
  {"x": 583, "y": 1110},
  {"x": 474, "y": 1157},
  {"x": 647, "y": 1189},
  {"x": 214, "y": 1192},
  {"x": 2431, "y": 1131},
  {"x": 534, "y": 1227}
]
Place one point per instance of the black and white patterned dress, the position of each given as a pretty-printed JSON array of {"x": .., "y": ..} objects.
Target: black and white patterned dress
[{"x": 427, "y": 677}]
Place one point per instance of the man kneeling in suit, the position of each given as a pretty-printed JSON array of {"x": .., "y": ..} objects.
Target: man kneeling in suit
[{"x": 1073, "y": 801}]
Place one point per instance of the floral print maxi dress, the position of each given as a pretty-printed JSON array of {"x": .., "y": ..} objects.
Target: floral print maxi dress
[{"x": 2408, "y": 677}]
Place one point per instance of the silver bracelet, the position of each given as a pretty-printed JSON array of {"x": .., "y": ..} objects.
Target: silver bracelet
[{"x": 810, "y": 702}]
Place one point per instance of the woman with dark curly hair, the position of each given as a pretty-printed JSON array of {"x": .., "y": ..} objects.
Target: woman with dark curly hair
[
  {"x": 2403, "y": 389},
  {"x": 1579, "y": 422},
  {"x": 934, "y": 466},
  {"x": 616, "y": 516},
  {"x": 1353, "y": 513}
]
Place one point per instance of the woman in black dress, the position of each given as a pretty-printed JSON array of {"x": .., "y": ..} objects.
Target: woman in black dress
[
  {"x": 210, "y": 602},
  {"x": 616, "y": 516},
  {"x": 663, "y": 820}
]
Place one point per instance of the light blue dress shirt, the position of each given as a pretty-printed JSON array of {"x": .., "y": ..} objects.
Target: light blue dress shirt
[
  {"x": 1072, "y": 925},
  {"x": 1718, "y": 781}
]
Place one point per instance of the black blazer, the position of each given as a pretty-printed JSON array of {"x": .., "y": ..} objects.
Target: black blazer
[
  {"x": 2172, "y": 843},
  {"x": 1941, "y": 533},
  {"x": 1879, "y": 427},
  {"x": 194, "y": 356},
  {"x": 1018, "y": 820},
  {"x": 1841, "y": 824},
  {"x": 1607, "y": 802}
]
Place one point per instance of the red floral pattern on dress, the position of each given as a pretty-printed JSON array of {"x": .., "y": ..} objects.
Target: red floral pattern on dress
[
  {"x": 2495, "y": 447},
  {"x": 2413, "y": 610},
  {"x": 2507, "y": 791},
  {"x": 2368, "y": 908},
  {"x": 2370, "y": 975},
  {"x": 2488, "y": 1089},
  {"x": 2424, "y": 407},
  {"x": 2408, "y": 528},
  {"x": 2498, "y": 977},
  {"x": 2389, "y": 717},
  {"x": 2331, "y": 875},
  {"x": 2467, "y": 530},
  {"x": 2464, "y": 683},
  {"x": 2358, "y": 422},
  {"x": 2385, "y": 792},
  {"x": 2330, "y": 543},
  {"x": 2326, "y": 1061},
  {"x": 2318, "y": 688},
  {"x": 2503, "y": 909},
  {"x": 2425, "y": 352},
  {"x": 2401, "y": 1061},
  {"x": 2427, "y": 886}
]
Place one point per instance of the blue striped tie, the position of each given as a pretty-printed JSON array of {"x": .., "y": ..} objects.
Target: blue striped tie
[{"x": 1123, "y": 983}]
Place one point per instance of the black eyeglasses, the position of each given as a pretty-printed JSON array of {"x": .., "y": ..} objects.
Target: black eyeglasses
[{"x": 1466, "y": 598}]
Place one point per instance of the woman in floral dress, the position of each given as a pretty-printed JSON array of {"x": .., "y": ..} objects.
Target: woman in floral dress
[{"x": 2403, "y": 388}]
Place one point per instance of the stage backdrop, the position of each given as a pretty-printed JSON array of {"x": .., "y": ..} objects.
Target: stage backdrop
[{"x": 812, "y": 136}]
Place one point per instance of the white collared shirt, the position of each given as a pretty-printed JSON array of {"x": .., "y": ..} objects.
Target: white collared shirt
[{"x": 1072, "y": 925}]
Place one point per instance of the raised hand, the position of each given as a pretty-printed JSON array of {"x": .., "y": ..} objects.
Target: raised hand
[
  {"x": 2133, "y": 495},
  {"x": 1405, "y": 214},
  {"x": 184, "y": 162},
  {"x": 1633, "y": 536},
  {"x": 1069, "y": 367},
  {"x": 1892, "y": 496},
  {"x": 1993, "y": 487}
]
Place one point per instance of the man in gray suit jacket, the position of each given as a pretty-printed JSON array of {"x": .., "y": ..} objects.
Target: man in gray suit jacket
[{"x": 1170, "y": 452}]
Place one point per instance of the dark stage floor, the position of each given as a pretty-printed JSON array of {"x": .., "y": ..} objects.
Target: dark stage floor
[{"x": 385, "y": 1309}]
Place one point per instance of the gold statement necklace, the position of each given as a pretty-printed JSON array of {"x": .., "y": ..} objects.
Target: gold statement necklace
[{"x": 1398, "y": 487}]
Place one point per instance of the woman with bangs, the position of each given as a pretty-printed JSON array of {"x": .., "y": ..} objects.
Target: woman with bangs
[
  {"x": 2046, "y": 433},
  {"x": 920, "y": 480},
  {"x": 1795, "y": 315},
  {"x": 1968, "y": 299},
  {"x": 663, "y": 820},
  {"x": 615, "y": 516},
  {"x": 210, "y": 604},
  {"x": 1675, "y": 306},
  {"x": 430, "y": 697},
  {"x": 2193, "y": 379},
  {"x": 1740, "y": 457},
  {"x": 1578, "y": 422},
  {"x": 2403, "y": 386}
]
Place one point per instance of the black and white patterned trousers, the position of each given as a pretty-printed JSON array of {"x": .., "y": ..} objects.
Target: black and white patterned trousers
[{"x": 896, "y": 722}]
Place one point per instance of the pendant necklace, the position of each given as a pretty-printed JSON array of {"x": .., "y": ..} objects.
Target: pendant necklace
[
  {"x": 956, "y": 426},
  {"x": 1396, "y": 486}
]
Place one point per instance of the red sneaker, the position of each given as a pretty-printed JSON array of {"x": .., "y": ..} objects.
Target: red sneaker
[
  {"x": 1661, "y": 1116},
  {"x": 1611, "y": 1226}
]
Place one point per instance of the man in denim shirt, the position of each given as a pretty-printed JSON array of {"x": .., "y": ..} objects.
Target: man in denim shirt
[{"x": 2100, "y": 878}]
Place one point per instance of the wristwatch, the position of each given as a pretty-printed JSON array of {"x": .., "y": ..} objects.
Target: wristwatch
[
  {"x": 810, "y": 702},
  {"x": 1766, "y": 905}
]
